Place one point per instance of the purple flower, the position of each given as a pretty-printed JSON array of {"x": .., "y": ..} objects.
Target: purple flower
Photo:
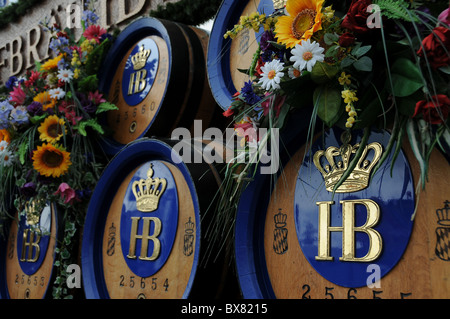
[
  {"x": 28, "y": 190},
  {"x": 266, "y": 37},
  {"x": 35, "y": 108},
  {"x": 86, "y": 104}
]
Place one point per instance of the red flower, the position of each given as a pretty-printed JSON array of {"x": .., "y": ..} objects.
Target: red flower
[
  {"x": 228, "y": 112},
  {"x": 67, "y": 193},
  {"x": 94, "y": 32},
  {"x": 435, "y": 111},
  {"x": 33, "y": 78},
  {"x": 436, "y": 47},
  {"x": 96, "y": 97},
  {"x": 346, "y": 39},
  {"x": 18, "y": 95},
  {"x": 356, "y": 18}
]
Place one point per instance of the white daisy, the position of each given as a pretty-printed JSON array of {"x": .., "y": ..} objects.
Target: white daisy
[
  {"x": 57, "y": 93},
  {"x": 3, "y": 146},
  {"x": 271, "y": 75},
  {"x": 306, "y": 54},
  {"x": 6, "y": 158},
  {"x": 294, "y": 73},
  {"x": 65, "y": 75}
]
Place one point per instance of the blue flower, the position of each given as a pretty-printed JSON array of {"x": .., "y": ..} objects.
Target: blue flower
[
  {"x": 249, "y": 95},
  {"x": 89, "y": 17},
  {"x": 58, "y": 44},
  {"x": 5, "y": 107},
  {"x": 11, "y": 83},
  {"x": 19, "y": 117}
]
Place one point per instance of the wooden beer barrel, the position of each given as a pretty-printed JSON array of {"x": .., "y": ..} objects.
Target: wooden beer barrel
[
  {"x": 28, "y": 255},
  {"x": 292, "y": 244},
  {"x": 156, "y": 74},
  {"x": 144, "y": 235},
  {"x": 226, "y": 56}
]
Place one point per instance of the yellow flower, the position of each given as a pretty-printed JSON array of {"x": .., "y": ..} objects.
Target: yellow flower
[
  {"x": 328, "y": 12},
  {"x": 52, "y": 63},
  {"x": 344, "y": 79},
  {"x": 45, "y": 99},
  {"x": 5, "y": 136},
  {"x": 51, "y": 129},
  {"x": 76, "y": 73},
  {"x": 349, "y": 96},
  {"x": 50, "y": 160},
  {"x": 303, "y": 19}
]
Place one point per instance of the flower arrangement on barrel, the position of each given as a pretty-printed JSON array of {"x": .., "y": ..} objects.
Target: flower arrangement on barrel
[
  {"x": 356, "y": 65},
  {"x": 50, "y": 127}
]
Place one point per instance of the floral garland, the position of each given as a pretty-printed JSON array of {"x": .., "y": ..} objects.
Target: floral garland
[
  {"x": 380, "y": 63},
  {"x": 49, "y": 132}
]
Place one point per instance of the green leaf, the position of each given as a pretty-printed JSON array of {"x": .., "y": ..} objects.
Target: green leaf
[
  {"x": 89, "y": 83},
  {"x": 106, "y": 106},
  {"x": 38, "y": 118},
  {"x": 359, "y": 52},
  {"x": 363, "y": 64},
  {"x": 406, "y": 78},
  {"x": 81, "y": 127},
  {"x": 330, "y": 38},
  {"x": 328, "y": 104},
  {"x": 323, "y": 72},
  {"x": 347, "y": 61},
  {"x": 23, "y": 148}
]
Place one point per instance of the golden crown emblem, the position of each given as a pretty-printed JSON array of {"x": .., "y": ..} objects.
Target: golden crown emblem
[
  {"x": 140, "y": 59},
  {"x": 149, "y": 191},
  {"x": 332, "y": 172},
  {"x": 279, "y": 4}
]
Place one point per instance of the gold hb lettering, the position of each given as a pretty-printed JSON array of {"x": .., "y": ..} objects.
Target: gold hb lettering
[
  {"x": 348, "y": 230},
  {"x": 145, "y": 237},
  {"x": 138, "y": 82},
  {"x": 31, "y": 241}
]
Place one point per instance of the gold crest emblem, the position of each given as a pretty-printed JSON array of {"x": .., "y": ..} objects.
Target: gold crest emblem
[
  {"x": 149, "y": 191},
  {"x": 335, "y": 168}
]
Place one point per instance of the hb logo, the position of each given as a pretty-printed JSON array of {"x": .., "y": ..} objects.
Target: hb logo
[
  {"x": 138, "y": 80},
  {"x": 147, "y": 193},
  {"x": 366, "y": 219},
  {"x": 30, "y": 246}
]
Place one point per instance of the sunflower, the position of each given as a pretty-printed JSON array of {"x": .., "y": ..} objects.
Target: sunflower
[
  {"x": 5, "y": 136},
  {"x": 45, "y": 99},
  {"x": 50, "y": 160},
  {"x": 52, "y": 129},
  {"x": 51, "y": 64},
  {"x": 303, "y": 19}
]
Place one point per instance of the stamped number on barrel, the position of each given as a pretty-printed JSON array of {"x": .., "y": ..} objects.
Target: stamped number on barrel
[
  {"x": 29, "y": 280},
  {"x": 136, "y": 282}
]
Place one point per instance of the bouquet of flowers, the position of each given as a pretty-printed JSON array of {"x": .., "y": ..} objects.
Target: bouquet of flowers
[
  {"x": 357, "y": 65},
  {"x": 49, "y": 130},
  {"x": 376, "y": 63}
]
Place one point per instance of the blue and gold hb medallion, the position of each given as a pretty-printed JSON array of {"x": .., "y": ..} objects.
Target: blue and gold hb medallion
[
  {"x": 140, "y": 71},
  {"x": 149, "y": 219},
  {"x": 365, "y": 221}
]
